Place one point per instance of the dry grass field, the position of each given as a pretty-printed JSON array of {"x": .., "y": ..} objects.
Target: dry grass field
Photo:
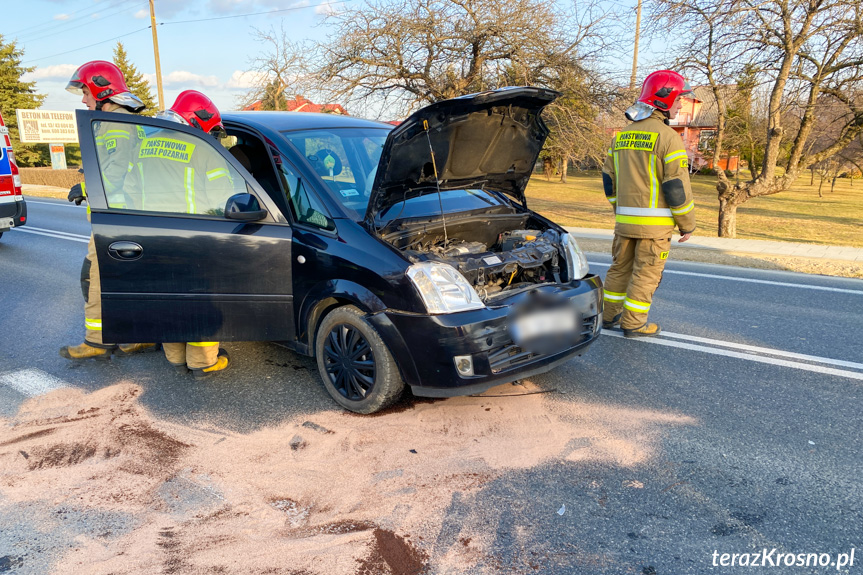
[{"x": 797, "y": 215}]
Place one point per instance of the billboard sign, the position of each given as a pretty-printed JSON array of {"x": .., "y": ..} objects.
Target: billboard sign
[{"x": 46, "y": 126}]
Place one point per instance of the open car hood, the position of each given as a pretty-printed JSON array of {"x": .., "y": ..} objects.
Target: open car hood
[{"x": 488, "y": 140}]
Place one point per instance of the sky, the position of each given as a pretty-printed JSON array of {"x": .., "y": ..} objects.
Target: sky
[
  {"x": 209, "y": 51},
  {"x": 204, "y": 45}
]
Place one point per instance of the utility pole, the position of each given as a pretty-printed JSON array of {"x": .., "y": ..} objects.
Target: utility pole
[
  {"x": 159, "y": 67},
  {"x": 634, "y": 53}
]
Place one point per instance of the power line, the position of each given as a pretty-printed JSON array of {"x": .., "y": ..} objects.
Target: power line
[
  {"x": 255, "y": 13},
  {"x": 183, "y": 22},
  {"x": 88, "y": 46},
  {"x": 54, "y": 25},
  {"x": 54, "y": 20},
  {"x": 87, "y": 23}
]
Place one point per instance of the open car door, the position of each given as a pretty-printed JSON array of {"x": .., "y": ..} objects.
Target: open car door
[{"x": 189, "y": 246}]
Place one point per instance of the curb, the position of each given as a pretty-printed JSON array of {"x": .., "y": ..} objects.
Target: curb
[{"x": 761, "y": 247}]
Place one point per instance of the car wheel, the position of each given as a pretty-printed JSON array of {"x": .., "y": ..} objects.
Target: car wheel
[{"x": 357, "y": 368}]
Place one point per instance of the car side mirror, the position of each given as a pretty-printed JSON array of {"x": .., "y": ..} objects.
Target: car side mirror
[{"x": 244, "y": 207}]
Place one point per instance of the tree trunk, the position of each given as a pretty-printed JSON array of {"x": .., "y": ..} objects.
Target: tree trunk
[
  {"x": 811, "y": 176},
  {"x": 821, "y": 185},
  {"x": 833, "y": 184},
  {"x": 547, "y": 168},
  {"x": 564, "y": 165},
  {"x": 727, "y": 218}
]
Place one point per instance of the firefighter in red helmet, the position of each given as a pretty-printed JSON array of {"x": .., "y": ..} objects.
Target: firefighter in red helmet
[
  {"x": 103, "y": 88},
  {"x": 646, "y": 180},
  {"x": 187, "y": 184}
]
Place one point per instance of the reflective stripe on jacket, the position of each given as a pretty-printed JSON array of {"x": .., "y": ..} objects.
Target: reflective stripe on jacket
[{"x": 646, "y": 179}]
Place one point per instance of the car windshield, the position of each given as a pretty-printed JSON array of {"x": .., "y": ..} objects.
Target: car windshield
[{"x": 346, "y": 159}]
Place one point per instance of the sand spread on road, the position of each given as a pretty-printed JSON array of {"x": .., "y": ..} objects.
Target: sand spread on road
[{"x": 329, "y": 493}]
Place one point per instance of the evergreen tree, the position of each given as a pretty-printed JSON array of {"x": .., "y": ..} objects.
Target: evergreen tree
[
  {"x": 15, "y": 94},
  {"x": 135, "y": 80}
]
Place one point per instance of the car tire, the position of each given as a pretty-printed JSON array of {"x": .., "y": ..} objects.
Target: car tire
[{"x": 372, "y": 381}]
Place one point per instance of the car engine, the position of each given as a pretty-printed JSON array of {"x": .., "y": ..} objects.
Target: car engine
[{"x": 517, "y": 259}]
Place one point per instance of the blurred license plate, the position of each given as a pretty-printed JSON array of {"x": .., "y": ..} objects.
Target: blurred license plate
[
  {"x": 543, "y": 323},
  {"x": 6, "y": 223}
]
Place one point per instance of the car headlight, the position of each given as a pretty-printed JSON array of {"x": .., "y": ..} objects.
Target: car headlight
[
  {"x": 576, "y": 261},
  {"x": 443, "y": 288}
]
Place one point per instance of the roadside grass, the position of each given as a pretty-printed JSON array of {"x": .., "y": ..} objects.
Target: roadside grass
[{"x": 796, "y": 215}]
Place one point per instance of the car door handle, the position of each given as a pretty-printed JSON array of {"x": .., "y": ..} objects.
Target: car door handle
[{"x": 125, "y": 251}]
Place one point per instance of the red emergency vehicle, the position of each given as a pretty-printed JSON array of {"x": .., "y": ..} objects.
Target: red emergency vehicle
[{"x": 13, "y": 209}]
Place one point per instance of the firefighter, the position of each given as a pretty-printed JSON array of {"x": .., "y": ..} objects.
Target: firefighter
[
  {"x": 181, "y": 184},
  {"x": 646, "y": 180},
  {"x": 103, "y": 89}
]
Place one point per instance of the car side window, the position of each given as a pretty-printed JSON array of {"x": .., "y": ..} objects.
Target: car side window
[
  {"x": 163, "y": 170},
  {"x": 306, "y": 208}
]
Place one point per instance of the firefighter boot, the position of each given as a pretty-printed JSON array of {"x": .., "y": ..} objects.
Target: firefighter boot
[
  {"x": 133, "y": 348},
  {"x": 180, "y": 368},
  {"x": 220, "y": 365},
  {"x": 615, "y": 321},
  {"x": 647, "y": 330},
  {"x": 86, "y": 351}
]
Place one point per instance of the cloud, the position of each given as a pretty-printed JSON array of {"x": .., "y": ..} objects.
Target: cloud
[
  {"x": 142, "y": 13},
  {"x": 184, "y": 80},
  {"x": 251, "y": 6},
  {"x": 62, "y": 17},
  {"x": 243, "y": 80},
  {"x": 328, "y": 8},
  {"x": 56, "y": 72}
]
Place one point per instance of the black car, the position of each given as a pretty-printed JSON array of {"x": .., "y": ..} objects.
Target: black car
[{"x": 394, "y": 255}]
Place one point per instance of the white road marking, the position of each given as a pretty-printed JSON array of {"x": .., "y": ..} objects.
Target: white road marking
[
  {"x": 750, "y": 357},
  {"x": 751, "y": 280},
  {"x": 69, "y": 205},
  {"x": 31, "y": 382},
  {"x": 766, "y": 350},
  {"x": 56, "y": 232},
  {"x": 52, "y": 234}
]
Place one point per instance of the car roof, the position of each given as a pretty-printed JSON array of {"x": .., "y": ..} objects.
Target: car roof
[{"x": 284, "y": 121}]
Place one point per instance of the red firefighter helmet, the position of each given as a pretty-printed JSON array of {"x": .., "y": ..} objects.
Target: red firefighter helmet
[
  {"x": 105, "y": 82},
  {"x": 195, "y": 109},
  {"x": 661, "y": 88}
]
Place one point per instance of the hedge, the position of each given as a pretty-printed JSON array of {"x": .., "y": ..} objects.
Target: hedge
[{"x": 49, "y": 177}]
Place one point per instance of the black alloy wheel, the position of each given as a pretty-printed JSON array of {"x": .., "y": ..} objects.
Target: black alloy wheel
[
  {"x": 357, "y": 368},
  {"x": 350, "y": 362}
]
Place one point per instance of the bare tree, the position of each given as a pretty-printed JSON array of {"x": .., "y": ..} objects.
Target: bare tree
[
  {"x": 803, "y": 50},
  {"x": 402, "y": 54},
  {"x": 279, "y": 69},
  {"x": 389, "y": 57}
]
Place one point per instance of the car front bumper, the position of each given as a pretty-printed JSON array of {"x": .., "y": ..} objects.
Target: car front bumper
[{"x": 424, "y": 346}]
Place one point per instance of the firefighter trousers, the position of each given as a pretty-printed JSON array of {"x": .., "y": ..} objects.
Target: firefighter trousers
[
  {"x": 198, "y": 355},
  {"x": 92, "y": 289},
  {"x": 634, "y": 275}
]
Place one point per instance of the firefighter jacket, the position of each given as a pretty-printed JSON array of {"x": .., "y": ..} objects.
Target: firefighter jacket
[
  {"x": 176, "y": 173},
  {"x": 646, "y": 179},
  {"x": 115, "y": 145}
]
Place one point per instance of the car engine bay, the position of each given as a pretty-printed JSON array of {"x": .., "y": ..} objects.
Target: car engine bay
[{"x": 493, "y": 255}]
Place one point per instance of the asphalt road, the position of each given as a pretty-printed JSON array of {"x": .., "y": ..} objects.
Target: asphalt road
[{"x": 767, "y": 366}]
